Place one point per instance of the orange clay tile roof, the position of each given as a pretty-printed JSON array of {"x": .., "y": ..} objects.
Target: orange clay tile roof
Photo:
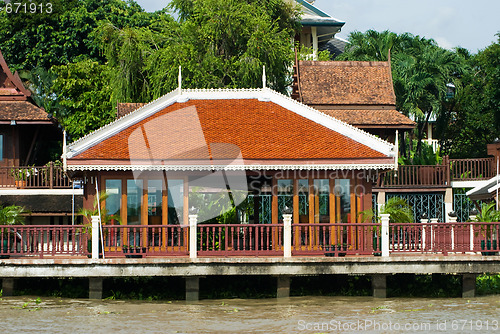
[
  {"x": 371, "y": 117},
  {"x": 346, "y": 83},
  {"x": 123, "y": 109},
  {"x": 261, "y": 130}
]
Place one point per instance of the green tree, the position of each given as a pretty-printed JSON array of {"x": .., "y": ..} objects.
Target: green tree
[
  {"x": 473, "y": 120},
  {"x": 63, "y": 35},
  {"x": 83, "y": 90},
  {"x": 218, "y": 44}
]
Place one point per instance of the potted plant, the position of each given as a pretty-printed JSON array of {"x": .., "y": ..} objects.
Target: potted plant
[
  {"x": 400, "y": 212},
  {"x": 9, "y": 215},
  {"x": 488, "y": 214},
  {"x": 21, "y": 176},
  {"x": 105, "y": 219}
]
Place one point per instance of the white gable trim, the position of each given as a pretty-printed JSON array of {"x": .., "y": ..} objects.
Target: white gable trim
[
  {"x": 227, "y": 167},
  {"x": 264, "y": 94}
]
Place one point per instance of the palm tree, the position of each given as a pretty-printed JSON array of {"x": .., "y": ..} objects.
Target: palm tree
[
  {"x": 369, "y": 46},
  {"x": 105, "y": 217},
  {"x": 12, "y": 215},
  {"x": 400, "y": 212}
]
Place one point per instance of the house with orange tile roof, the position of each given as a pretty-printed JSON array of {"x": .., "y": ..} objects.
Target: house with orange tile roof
[{"x": 259, "y": 152}]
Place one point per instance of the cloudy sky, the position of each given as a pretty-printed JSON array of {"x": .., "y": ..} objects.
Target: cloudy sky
[{"x": 470, "y": 24}]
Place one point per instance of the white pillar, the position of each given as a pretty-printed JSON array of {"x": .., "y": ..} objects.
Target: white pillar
[
  {"x": 95, "y": 237},
  {"x": 433, "y": 221},
  {"x": 287, "y": 235},
  {"x": 315, "y": 42},
  {"x": 384, "y": 217},
  {"x": 380, "y": 200},
  {"x": 453, "y": 220},
  {"x": 424, "y": 222},
  {"x": 448, "y": 203},
  {"x": 471, "y": 241},
  {"x": 193, "y": 242}
]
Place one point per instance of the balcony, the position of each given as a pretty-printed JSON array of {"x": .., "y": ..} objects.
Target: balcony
[
  {"x": 50, "y": 176},
  {"x": 438, "y": 176}
]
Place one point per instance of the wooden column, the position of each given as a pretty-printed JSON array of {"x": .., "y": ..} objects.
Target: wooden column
[
  {"x": 164, "y": 212},
  {"x": 352, "y": 232},
  {"x": 274, "y": 201},
  {"x": 274, "y": 210},
  {"x": 185, "y": 207},
  {"x": 331, "y": 202},
  {"x": 296, "y": 213},
  {"x": 144, "y": 212},
  {"x": 310, "y": 229}
]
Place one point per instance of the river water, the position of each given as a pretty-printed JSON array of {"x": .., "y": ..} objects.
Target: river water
[{"x": 294, "y": 315}]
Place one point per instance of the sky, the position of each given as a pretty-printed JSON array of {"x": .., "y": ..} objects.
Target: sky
[{"x": 451, "y": 23}]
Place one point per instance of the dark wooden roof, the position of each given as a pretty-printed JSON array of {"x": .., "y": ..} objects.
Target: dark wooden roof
[
  {"x": 360, "y": 93},
  {"x": 15, "y": 101},
  {"x": 123, "y": 109}
]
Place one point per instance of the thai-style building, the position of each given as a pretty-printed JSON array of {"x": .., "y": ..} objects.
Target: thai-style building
[
  {"x": 356, "y": 92},
  {"x": 28, "y": 135},
  {"x": 257, "y": 149}
]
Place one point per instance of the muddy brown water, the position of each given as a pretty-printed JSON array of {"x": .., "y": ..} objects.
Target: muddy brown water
[{"x": 294, "y": 315}]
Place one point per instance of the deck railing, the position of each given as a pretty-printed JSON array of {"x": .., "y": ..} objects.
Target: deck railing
[
  {"x": 219, "y": 240},
  {"x": 42, "y": 240},
  {"x": 144, "y": 240},
  {"x": 472, "y": 169},
  {"x": 240, "y": 239},
  {"x": 444, "y": 238},
  {"x": 335, "y": 239},
  {"x": 416, "y": 176},
  {"x": 49, "y": 176},
  {"x": 438, "y": 176}
]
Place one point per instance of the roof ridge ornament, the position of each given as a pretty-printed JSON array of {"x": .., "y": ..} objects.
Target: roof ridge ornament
[
  {"x": 263, "y": 76},
  {"x": 179, "y": 80}
]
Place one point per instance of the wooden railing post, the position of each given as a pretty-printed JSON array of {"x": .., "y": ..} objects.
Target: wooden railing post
[
  {"x": 51, "y": 175},
  {"x": 193, "y": 244},
  {"x": 446, "y": 163},
  {"x": 384, "y": 217}
]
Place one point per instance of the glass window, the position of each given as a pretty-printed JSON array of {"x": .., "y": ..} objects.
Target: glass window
[
  {"x": 114, "y": 200},
  {"x": 322, "y": 188},
  {"x": 154, "y": 202},
  {"x": 343, "y": 200},
  {"x": 285, "y": 197},
  {"x": 303, "y": 199},
  {"x": 175, "y": 202},
  {"x": 134, "y": 202}
]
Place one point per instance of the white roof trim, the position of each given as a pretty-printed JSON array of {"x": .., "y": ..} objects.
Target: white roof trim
[
  {"x": 303, "y": 110},
  {"x": 226, "y": 167},
  {"x": 484, "y": 187}
]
